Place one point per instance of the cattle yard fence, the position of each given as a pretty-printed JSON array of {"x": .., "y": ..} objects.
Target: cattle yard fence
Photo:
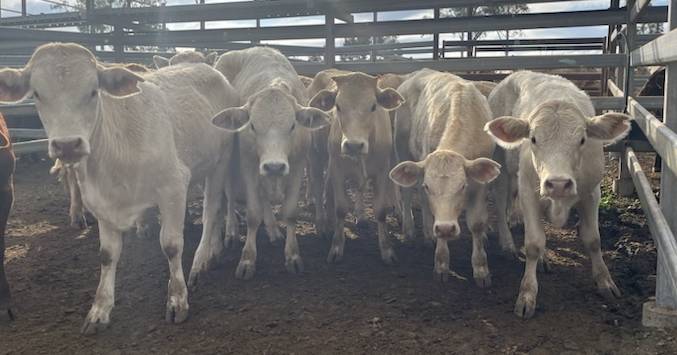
[{"x": 606, "y": 67}]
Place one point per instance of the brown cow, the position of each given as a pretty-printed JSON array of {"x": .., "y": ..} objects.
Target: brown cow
[{"x": 6, "y": 199}]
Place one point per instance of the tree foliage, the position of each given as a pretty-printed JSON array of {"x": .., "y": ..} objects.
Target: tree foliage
[
  {"x": 364, "y": 41},
  {"x": 492, "y": 10}
]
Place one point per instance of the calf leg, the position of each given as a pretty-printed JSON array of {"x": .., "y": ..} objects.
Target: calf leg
[
  {"x": 6, "y": 199},
  {"x": 534, "y": 242},
  {"x": 232, "y": 224},
  {"x": 502, "y": 189},
  {"x": 340, "y": 206},
  {"x": 76, "y": 210},
  {"x": 441, "y": 269},
  {"x": 588, "y": 209},
  {"x": 98, "y": 318},
  {"x": 381, "y": 206},
  {"x": 211, "y": 247},
  {"x": 172, "y": 211},
  {"x": 292, "y": 255},
  {"x": 270, "y": 223},
  {"x": 476, "y": 218},
  {"x": 408, "y": 226},
  {"x": 246, "y": 268}
]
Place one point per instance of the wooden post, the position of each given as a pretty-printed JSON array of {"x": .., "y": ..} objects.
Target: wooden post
[
  {"x": 330, "y": 41},
  {"x": 23, "y": 8},
  {"x": 373, "y": 38}
]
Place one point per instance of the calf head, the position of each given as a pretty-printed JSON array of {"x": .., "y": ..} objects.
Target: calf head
[
  {"x": 444, "y": 176},
  {"x": 273, "y": 116},
  {"x": 557, "y": 133},
  {"x": 185, "y": 57},
  {"x": 357, "y": 102},
  {"x": 67, "y": 83}
]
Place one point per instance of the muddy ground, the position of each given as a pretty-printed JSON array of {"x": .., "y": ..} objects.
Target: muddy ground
[{"x": 358, "y": 306}]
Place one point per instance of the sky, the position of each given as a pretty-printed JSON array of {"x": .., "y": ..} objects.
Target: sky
[{"x": 40, "y": 6}]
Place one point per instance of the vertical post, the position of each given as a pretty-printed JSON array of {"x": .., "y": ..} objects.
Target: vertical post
[
  {"x": 623, "y": 185},
  {"x": 202, "y": 23},
  {"x": 608, "y": 48},
  {"x": 436, "y": 36},
  {"x": 330, "y": 41},
  {"x": 469, "y": 12},
  {"x": 373, "y": 38},
  {"x": 665, "y": 294},
  {"x": 118, "y": 46},
  {"x": 663, "y": 312},
  {"x": 23, "y": 8}
]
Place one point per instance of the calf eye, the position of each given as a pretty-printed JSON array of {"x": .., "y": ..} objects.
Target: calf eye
[
  {"x": 251, "y": 125},
  {"x": 373, "y": 108},
  {"x": 425, "y": 187},
  {"x": 338, "y": 108},
  {"x": 582, "y": 140},
  {"x": 293, "y": 125},
  {"x": 35, "y": 95},
  {"x": 533, "y": 140},
  {"x": 94, "y": 92}
]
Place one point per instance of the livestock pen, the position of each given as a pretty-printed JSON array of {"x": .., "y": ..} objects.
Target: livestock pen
[{"x": 361, "y": 305}]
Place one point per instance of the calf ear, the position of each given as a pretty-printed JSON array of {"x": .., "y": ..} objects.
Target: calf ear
[
  {"x": 211, "y": 58},
  {"x": 482, "y": 170},
  {"x": 232, "y": 119},
  {"x": 312, "y": 118},
  {"x": 119, "y": 82},
  {"x": 160, "y": 61},
  {"x": 324, "y": 100},
  {"x": 14, "y": 85},
  {"x": 389, "y": 99},
  {"x": 406, "y": 173},
  {"x": 608, "y": 127},
  {"x": 508, "y": 131}
]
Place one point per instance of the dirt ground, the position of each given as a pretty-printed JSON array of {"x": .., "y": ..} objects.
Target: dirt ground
[{"x": 358, "y": 306}]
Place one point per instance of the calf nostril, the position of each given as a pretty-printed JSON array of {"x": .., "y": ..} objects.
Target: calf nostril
[
  {"x": 549, "y": 185},
  {"x": 78, "y": 143},
  {"x": 569, "y": 185}
]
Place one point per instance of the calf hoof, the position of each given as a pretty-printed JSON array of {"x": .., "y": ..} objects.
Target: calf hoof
[
  {"x": 79, "y": 222},
  {"x": 607, "y": 288},
  {"x": 441, "y": 275},
  {"x": 544, "y": 264},
  {"x": 483, "y": 279},
  {"x": 96, "y": 322},
  {"x": 176, "y": 312},
  {"x": 335, "y": 255},
  {"x": 245, "y": 270},
  {"x": 6, "y": 306},
  {"x": 294, "y": 264},
  {"x": 525, "y": 307},
  {"x": 388, "y": 257}
]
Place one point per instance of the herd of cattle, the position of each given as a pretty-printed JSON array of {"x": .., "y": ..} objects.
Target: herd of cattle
[{"x": 130, "y": 140}]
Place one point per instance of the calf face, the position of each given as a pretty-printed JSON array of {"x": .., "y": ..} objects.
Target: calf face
[
  {"x": 272, "y": 115},
  {"x": 557, "y": 134},
  {"x": 357, "y": 102},
  {"x": 445, "y": 176},
  {"x": 67, "y": 83}
]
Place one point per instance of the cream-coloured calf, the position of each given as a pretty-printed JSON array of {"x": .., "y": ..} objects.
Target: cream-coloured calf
[
  {"x": 360, "y": 144},
  {"x": 551, "y": 125},
  {"x": 452, "y": 165},
  {"x": 273, "y": 136},
  {"x": 185, "y": 57}
]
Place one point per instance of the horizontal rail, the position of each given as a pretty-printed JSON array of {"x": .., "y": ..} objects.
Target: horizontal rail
[
  {"x": 527, "y": 42},
  {"x": 660, "y": 51},
  {"x": 662, "y": 138},
  {"x": 35, "y": 146},
  {"x": 474, "y": 64},
  {"x": 22, "y": 109},
  {"x": 405, "y": 27},
  {"x": 658, "y": 225},
  {"x": 618, "y": 103},
  {"x": 32, "y": 133}
]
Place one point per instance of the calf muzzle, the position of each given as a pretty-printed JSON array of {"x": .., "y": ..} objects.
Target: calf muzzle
[{"x": 68, "y": 149}]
